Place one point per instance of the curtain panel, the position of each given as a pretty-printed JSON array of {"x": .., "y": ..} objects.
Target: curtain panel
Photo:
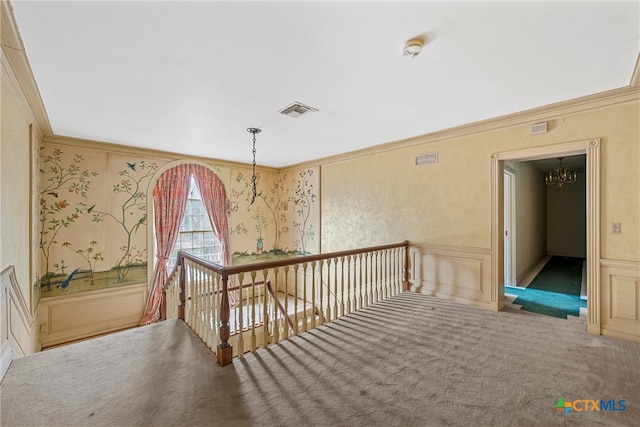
[
  {"x": 169, "y": 204},
  {"x": 214, "y": 199}
]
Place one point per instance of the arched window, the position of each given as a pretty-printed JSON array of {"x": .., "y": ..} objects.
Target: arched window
[{"x": 196, "y": 232}]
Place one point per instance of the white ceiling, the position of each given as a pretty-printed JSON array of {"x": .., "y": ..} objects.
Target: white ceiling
[{"x": 190, "y": 77}]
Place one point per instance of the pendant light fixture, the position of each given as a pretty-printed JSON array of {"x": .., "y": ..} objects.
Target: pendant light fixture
[
  {"x": 560, "y": 176},
  {"x": 254, "y": 177}
]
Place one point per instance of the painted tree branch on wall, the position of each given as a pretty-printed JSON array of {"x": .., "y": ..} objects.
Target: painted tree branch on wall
[
  {"x": 302, "y": 200},
  {"x": 89, "y": 255},
  {"x": 60, "y": 179},
  {"x": 132, "y": 213},
  {"x": 261, "y": 225},
  {"x": 277, "y": 197}
]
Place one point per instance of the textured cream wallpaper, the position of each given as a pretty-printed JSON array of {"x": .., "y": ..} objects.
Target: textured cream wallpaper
[
  {"x": 567, "y": 219},
  {"x": 383, "y": 198},
  {"x": 620, "y": 166},
  {"x": 15, "y": 192},
  {"x": 531, "y": 235}
]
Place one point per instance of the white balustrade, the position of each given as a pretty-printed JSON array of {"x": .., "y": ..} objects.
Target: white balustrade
[{"x": 281, "y": 299}]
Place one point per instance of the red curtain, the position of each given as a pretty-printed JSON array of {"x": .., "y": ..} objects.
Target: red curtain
[{"x": 169, "y": 203}]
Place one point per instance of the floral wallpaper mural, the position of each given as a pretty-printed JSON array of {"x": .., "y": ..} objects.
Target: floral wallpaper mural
[
  {"x": 281, "y": 221},
  {"x": 130, "y": 214},
  {"x": 265, "y": 219},
  {"x": 62, "y": 179},
  {"x": 93, "y": 220},
  {"x": 94, "y": 226}
]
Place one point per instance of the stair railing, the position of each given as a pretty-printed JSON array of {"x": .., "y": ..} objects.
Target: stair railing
[{"x": 232, "y": 309}]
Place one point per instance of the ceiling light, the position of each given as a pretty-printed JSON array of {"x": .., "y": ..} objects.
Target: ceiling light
[
  {"x": 412, "y": 48},
  {"x": 560, "y": 176}
]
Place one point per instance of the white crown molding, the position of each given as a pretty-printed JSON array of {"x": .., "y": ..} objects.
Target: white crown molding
[
  {"x": 14, "y": 52},
  {"x": 144, "y": 152},
  {"x": 549, "y": 112},
  {"x": 635, "y": 77}
]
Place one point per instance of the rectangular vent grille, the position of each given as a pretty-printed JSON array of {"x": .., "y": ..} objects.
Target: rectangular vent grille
[
  {"x": 297, "y": 109},
  {"x": 538, "y": 128},
  {"x": 425, "y": 159}
]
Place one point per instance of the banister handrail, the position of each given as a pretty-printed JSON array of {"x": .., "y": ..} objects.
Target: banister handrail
[{"x": 235, "y": 269}]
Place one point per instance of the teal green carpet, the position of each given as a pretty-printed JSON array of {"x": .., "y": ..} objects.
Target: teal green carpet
[{"x": 555, "y": 291}]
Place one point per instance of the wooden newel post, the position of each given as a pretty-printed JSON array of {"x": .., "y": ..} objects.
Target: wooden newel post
[
  {"x": 406, "y": 285},
  {"x": 225, "y": 350}
]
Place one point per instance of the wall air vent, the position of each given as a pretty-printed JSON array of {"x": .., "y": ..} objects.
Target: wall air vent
[
  {"x": 538, "y": 128},
  {"x": 297, "y": 109},
  {"x": 426, "y": 159}
]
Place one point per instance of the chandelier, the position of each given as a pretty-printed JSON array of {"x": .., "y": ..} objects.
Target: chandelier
[
  {"x": 254, "y": 177},
  {"x": 560, "y": 175}
]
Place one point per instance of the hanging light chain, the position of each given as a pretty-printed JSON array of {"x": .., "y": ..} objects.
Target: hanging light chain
[{"x": 254, "y": 177}]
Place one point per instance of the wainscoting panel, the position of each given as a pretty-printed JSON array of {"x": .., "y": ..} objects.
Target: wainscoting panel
[
  {"x": 620, "y": 299},
  {"x": 453, "y": 272},
  {"x": 16, "y": 322},
  {"x": 86, "y": 314}
]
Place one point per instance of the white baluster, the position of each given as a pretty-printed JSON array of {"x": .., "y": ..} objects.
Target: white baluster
[{"x": 239, "y": 317}]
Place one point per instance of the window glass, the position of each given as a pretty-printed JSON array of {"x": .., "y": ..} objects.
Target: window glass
[{"x": 196, "y": 235}]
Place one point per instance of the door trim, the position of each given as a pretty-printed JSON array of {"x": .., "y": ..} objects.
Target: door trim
[
  {"x": 591, "y": 148},
  {"x": 512, "y": 226}
]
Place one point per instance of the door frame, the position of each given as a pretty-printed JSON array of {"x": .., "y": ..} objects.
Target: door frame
[
  {"x": 510, "y": 206},
  {"x": 590, "y": 147}
]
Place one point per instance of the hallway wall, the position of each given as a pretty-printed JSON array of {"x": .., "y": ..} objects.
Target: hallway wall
[
  {"x": 449, "y": 202},
  {"x": 567, "y": 219},
  {"x": 531, "y": 217}
]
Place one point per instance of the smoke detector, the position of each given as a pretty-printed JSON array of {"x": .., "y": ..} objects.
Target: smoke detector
[
  {"x": 412, "y": 48},
  {"x": 296, "y": 110}
]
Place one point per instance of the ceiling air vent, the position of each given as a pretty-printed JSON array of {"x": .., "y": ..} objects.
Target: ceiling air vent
[
  {"x": 297, "y": 109},
  {"x": 426, "y": 159}
]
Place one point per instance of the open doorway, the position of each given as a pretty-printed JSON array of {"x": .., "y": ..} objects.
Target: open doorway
[
  {"x": 589, "y": 150},
  {"x": 545, "y": 269}
]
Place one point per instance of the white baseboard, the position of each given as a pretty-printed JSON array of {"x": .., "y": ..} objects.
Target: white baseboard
[{"x": 526, "y": 277}]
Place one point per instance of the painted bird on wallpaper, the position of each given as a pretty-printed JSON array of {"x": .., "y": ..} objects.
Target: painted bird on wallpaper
[
  {"x": 63, "y": 285},
  {"x": 132, "y": 166}
]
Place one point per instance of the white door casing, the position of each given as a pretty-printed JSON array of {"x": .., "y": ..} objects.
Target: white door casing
[{"x": 591, "y": 148}]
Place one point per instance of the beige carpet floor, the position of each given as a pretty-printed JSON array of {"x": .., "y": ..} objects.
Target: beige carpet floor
[{"x": 412, "y": 360}]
